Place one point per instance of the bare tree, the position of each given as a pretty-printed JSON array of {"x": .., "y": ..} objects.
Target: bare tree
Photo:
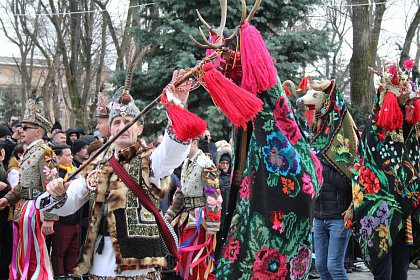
[
  {"x": 71, "y": 38},
  {"x": 121, "y": 44},
  {"x": 411, "y": 32},
  {"x": 337, "y": 20},
  {"x": 26, "y": 46},
  {"x": 367, "y": 19}
]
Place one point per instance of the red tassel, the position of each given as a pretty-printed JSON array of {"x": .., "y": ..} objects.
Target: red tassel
[
  {"x": 287, "y": 91},
  {"x": 416, "y": 116},
  {"x": 259, "y": 73},
  {"x": 310, "y": 117},
  {"x": 390, "y": 115},
  {"x": 186, "y": 125},
  {"x": 304, "y": 84},
  {"x": 395, "y": 79},
  {"x": 237, "y": 104}
]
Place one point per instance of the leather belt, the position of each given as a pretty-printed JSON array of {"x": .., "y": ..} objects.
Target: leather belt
[{"x": 194, "y": 202}]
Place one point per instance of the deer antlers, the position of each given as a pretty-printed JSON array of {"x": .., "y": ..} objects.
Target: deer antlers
[{"x": 220, "y": 43}]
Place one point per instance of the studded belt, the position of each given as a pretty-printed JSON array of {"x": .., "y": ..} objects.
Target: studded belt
[{"x": 193, "y": 202}]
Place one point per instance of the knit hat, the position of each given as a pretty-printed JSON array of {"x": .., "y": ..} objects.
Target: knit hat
[
  {"x": 71, "y": 131},
  {"x": 33, "y": 115},
  {"x": 80, "y": 130},
  {"x": 102, "y": 107},
  {"x": 225, "y": 157},
  {"x": 4, "y": 131},
  {"x": 122, "y": 105},
  {"x": 57, "y": 125},
  {"x": 57, "y": 146},
  {"x": 78, "y": 145},
  {"x": 88, "y": 138}
]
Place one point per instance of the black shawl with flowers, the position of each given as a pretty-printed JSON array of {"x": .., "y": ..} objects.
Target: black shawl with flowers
[
  {"x": 270, "y": 234},
  {"x": 385, "y": 186},
  {"x": 335, "y": 142}
]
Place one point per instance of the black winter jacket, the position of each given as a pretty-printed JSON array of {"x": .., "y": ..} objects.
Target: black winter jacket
[{"x": 335, "y": 195}]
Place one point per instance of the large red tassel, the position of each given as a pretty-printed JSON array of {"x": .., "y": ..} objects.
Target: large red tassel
[
  {"x": 237, "y": 104},
  {"x": 390, "y": 115},
  {"x": 310, "y": 117},
  {"x": 416, "y": 115},
  {"x": 304, "y": 84},
  {"x": 186, "y": 125},
  {"x": 259, "y": 73},
  {"x": 287, "y": 91}
]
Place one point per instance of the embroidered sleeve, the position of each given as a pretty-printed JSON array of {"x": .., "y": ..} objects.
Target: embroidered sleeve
[
  {"x": 170, "y": 132},
  {"x": 176, "y": 206},
  {"x": 213, "y": 197},
  {"x": 75, "y": 197}
]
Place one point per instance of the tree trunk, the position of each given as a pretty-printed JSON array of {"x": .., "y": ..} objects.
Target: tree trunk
[
  {"x": 365, "y": 46},
  {"x": 414, "y": 26},
  {"x": 359, "y": 61}
]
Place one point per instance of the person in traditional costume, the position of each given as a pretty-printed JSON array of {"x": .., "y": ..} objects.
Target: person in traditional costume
[
  {"x": 270, "y": 235},
  {"x": 124, "y": 238},
  {"x": 386, "y": 182},
  {"x": 334, "y": 140},
  {"x": 198, "y": 203},
  {"x": 30, "y": 258},
  {"x": 102, "y": 113}
]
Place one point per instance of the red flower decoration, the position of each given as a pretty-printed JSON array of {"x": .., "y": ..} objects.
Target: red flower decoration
[
  {"x": 213, "y": 216},
  {"x": 392, "y": 70},
  {"x": 369, "y": 180},
  {"x": 408, "y": 65},
  {"x": 231, "y": 251},
  {"x": 245, "y": 191},
  {"x": 277, "y": 220},
  {"x": 285, "y": 122},
  {"x": 269, "y": 264}
]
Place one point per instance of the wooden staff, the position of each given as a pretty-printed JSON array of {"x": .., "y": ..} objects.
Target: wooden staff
[{"x": 145, "y": 110}]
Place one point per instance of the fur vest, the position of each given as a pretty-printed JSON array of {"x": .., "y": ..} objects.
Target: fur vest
[{"x": 133, "y": 230}]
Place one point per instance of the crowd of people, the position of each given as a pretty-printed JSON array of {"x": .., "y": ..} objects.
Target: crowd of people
[
  {"x": 132, "y": 203},
  {"x": 75, "y": 234},
  {"x": 34, "y": 153}
]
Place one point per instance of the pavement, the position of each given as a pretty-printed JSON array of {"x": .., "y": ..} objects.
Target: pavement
[{"x": 413, "y": 274}]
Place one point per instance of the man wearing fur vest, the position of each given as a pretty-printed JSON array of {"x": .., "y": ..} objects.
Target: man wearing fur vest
[{"x": 123, "y": 239}]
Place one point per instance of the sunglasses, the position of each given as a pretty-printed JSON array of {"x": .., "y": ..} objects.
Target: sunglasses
[{"x": 24, "y": 128}]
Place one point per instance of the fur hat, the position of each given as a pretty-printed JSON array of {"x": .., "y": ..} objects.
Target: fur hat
[
  {"x": 33, "y": 115},
  {"x": 102, "y": 107},
  {"x": 122, "y": 105},
  {"x": 94, "y": 146},
  {"x": 223, "y": 148}
]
